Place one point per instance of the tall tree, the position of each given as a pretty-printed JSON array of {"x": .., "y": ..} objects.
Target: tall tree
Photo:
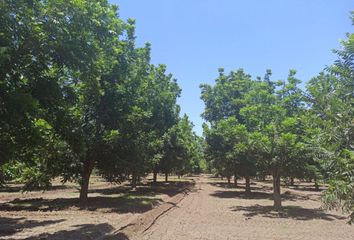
[
  {"x": 331, "y": 97},
  {"x": 265, "y": 126},
  {"x": 71, "y": 72},
  {"x": 180, "y": 150}
]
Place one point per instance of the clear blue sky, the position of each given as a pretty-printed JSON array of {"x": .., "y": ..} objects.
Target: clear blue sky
[{"x": 196, "y": 37}]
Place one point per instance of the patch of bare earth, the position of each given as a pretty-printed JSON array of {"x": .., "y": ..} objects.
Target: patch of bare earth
[
  {"x": 211, "y": 210},
  {"x": 57, "y": 213},
  {"x": 216, "y": 211}
]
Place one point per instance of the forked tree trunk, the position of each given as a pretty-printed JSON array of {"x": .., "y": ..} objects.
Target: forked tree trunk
[
  {"x": 248, "y": 186},
  {"x": 86, "y": 173},
  {"x": 276, "y": 189},
  {"x": 166, "y": 177}
]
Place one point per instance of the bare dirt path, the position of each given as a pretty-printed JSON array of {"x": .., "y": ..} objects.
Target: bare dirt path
[{"x": 214, "y": 211}]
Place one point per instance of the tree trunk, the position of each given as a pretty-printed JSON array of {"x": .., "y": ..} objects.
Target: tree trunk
[
  {"x": 291, "y": 181},
  {"x": 86, "y": 173},
  {"x": 155, "y": 176},
  {"x": 235, "y": 180},
  {"x": 316, "y": 184},
  {"x": 248, "y": 187},
  {"x": 276, "y": 189},
  {"x": 228, "y": 179},
  {"x": 134, "y": 180},
  {"x": 166, "y": 177}
]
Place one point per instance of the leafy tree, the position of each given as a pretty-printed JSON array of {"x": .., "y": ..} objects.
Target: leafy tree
[
  {"x": 73, "y": 82},
  {"x": 331, "y": 97},
  {"x": 278, "y": 115},
  {"x": 231, "y": 147},
  {"x": 226, "y": 98},
  {"x": 221, "y": 140},
  {"x": 265, "y": 132},
  {"x": 181, "y": 151}
]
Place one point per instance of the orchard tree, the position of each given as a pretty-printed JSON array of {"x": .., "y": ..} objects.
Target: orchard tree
[
  {"x": 180, "y": 152},
  {"x": 331, "y": 97},
  {"x": 226, "y": 97},
  {"x": 231, "y": 147},
  {"x": 220, "y": 146},
  {"x": 266, "y": 131},
  {"x": 73, "y": 84},
  {"x": 222, "y": 101},
  {"x": 274, "y": 113}
]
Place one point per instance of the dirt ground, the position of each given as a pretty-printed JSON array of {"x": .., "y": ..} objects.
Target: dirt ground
[
  {"x": 57, "y": 214},
  {"x": 215, "y": 211},
  {"x": 212, "y": 210}
]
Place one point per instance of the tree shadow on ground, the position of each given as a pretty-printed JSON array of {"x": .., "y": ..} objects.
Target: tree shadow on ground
[
  {"x": 82, "y": 231},
  {"x": 240, "y": 185},
  {"x": 120, "y": 204},
  {"x": 19, "y": 188},
  {"x": 146, "y": 189},
  {"x": 226, "y": 185},
  {"x": 118, "y": 199},
  {"x": 10, "y": 226},
  {"x": 258, "y": 195},
  {"x": 306, "y": 188},
  {"x": 121, "y": 236},
  {"x": 293, "y": 212}
]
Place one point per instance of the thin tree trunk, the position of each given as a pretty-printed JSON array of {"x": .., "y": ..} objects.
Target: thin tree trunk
[
  {"x": 317, "y": 187},
  {"x": 166, "y": 177},
  {"x": 292, "y": 181},
  {"x": 228, "y": 179},
  {"x": 235, "y": 180},
  {"x": 134, "y": 180},
  {"x": 248, "y": 187},
  {"x": 154, "y": 176},
  {"x": 276, "y": 189},
  {"x": 86, "y": 173}
]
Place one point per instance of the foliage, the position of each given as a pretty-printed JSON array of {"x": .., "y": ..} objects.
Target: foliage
[
  {"x": 332, "y": 100},
  {"x": 263, "y": 134},
  {"x": 78, "y": 95},
  {"x": 287, "y": 132},
  {"x": 180, "y": 151}
]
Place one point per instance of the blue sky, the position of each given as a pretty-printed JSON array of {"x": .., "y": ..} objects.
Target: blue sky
[{"x": 196, "y": 37}]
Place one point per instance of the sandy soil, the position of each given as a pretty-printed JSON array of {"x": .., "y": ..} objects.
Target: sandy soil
[
  {"x": 57, "y": 214},
  {"x": 215, "y": 211}
]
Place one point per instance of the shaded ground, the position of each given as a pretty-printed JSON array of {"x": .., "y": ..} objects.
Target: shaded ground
[
  {"x": 57, "y": 213},
  {"x": 217, "y": 211}
]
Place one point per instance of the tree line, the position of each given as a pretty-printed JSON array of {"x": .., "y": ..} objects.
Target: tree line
[
  {"x": 77, "y": 95},
  {"x": 260, "y": 127}
]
